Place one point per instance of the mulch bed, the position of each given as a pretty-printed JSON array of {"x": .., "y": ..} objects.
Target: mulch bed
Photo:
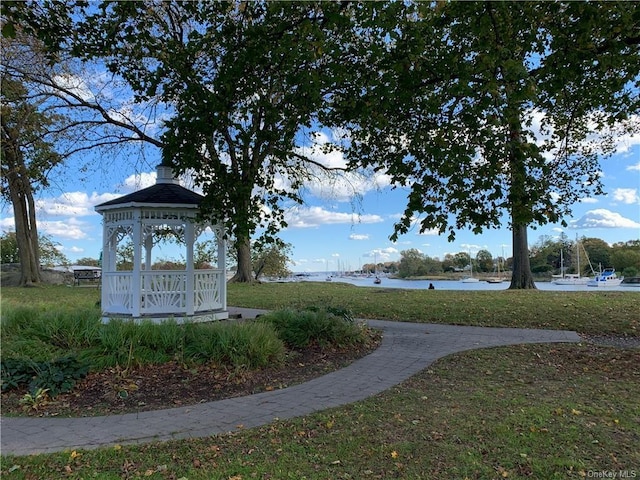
[{"x": 153, "y": 387}]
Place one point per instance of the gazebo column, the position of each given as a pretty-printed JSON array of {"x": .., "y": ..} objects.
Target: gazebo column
[
  {"x": 111, "y": 253},
  {"x": 190, "y": 293},
  {"x": 107, "y": 241},
  {"x": 148, "y": 246},
  {"x": 222, "y": 266},
  {"x": 137, "y": 250}
]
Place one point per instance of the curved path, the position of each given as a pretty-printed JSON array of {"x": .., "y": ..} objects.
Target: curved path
[{"x": 406, "y": 349}]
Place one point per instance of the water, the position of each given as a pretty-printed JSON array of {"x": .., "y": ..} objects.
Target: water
[{"x": 456, "y": 284}]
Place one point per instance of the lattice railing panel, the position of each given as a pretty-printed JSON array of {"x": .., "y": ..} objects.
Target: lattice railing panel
[
  {"x": 207, "y": 288},
  {"x": 163, "y": 292},
  {"x": 117, "y": 296}
]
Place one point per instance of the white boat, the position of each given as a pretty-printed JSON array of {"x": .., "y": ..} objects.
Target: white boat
[
  {"x": 572, "y": 278},
  {"x": 498, "y": 278},
  {"x": 606, "y": 278},
  {"x": 470, "y": 278}
]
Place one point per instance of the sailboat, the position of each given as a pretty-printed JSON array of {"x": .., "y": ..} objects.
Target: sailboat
[
  {"x": 572, "y": 278},
  {"x": 377, "y": 280},
  {"x": 498, "y": 278},
  {"x": 470, "y": 278}
]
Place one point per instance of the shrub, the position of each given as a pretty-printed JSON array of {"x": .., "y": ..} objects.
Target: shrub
[
  {"x": 69, "y": 330},
  {"x": 15, "y": 372},
  {"x": 249, "y": 345},
  {"x": 117, "y": 341},
  {"x": 299, "y": 329},
  {"x": 57, "y": 376}
]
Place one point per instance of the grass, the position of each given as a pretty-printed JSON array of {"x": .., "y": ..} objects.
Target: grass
[
  {"x": 593, "y": 312},
  {"x": 533, "y": 411},
  {"x": 32, "y": 333},
  {"x": 528, "y": 411}
]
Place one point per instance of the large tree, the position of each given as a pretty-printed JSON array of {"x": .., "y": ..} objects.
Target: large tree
[
  {"x": 246, "y": 81},
  {"x": 487, "y": 110},
  {"x": 25, "y": 160},
  {"x": 49, "y": 114}
]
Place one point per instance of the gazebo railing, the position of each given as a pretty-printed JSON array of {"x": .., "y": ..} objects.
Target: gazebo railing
[
  {"x": 117, "y": 294},
  {"x": 163, "y": 292}
]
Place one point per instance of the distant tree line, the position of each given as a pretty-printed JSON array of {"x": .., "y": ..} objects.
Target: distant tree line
[
  {"x": 268, "y": 260},
  {"x": 548, "y": 256}
]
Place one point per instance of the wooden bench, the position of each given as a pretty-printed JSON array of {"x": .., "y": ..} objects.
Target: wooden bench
[{"x": 90, "y": 275}]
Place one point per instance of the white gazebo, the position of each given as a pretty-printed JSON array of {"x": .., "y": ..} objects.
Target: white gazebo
[{"x": 140, "y": 293}]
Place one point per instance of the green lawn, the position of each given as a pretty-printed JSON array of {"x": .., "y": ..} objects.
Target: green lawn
[
  {"x": 531, "y": 411},
  {"x": 594, "y": 312}
]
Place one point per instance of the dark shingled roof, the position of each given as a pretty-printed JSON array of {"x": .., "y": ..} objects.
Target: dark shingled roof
[{"x": 161, "y": 193}]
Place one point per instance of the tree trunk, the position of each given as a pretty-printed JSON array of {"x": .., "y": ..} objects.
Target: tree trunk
[
  {"x": 243, "y": 273},
  {"x": 521, "y": 278},
  {"x": 21, "y": 195}
]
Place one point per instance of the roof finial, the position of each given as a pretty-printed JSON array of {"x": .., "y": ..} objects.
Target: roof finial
[{"x": 164, "y": 174}]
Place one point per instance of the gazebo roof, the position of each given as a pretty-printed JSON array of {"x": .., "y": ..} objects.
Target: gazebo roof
[{"x": 165, "y": 192}]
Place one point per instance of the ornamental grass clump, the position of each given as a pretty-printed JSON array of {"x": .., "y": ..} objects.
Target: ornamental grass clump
[
  {"x": 252, "y": 345},
  {"x": 319, "y": 326}
]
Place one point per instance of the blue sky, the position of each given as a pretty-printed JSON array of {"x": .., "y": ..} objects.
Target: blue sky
[{"x": 332, "y": 231}]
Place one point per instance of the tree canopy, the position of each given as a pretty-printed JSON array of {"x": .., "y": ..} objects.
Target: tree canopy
[
  {"x": 487, "y": 110},
  {"x": 245, "y": 80}
]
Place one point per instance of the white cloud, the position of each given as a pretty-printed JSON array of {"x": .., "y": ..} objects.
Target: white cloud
[
  {"x": 632, "y": 168},
  {"x": 356, "y": 236},
  {"x": 344, "y": 187},
  {"x": 76, "y": 204},
  {"x": 7, "y": 224},
  {"x": 602, "y": 218},
  {"x": 139, "y": 181},
  {"x": 627, "y": 196},
  {"x": 588, "y": 200},
  {"x": 470, "y": 247},
  {"x": 76, "y": 86},
  {"x": 431, "y": 232},
  {"x": 70, "y": 229},
  {"x": 307, "y": 217},
  {"x": 336, "y": 185},
  {"x": 625, "y": 138},
  {"x": 382, "y": 254}
]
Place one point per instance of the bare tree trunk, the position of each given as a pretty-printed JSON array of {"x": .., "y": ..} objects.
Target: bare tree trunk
[
  {"x": 243, "y": 273},
  {"x": 520, "y": 209},
  {"x": 21, "y": 195},
  {"x": 522, "y": 277}
]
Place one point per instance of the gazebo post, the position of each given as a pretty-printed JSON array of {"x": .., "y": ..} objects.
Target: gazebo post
[
  {"x": 222, "y": 265},
  {"x": 137, "y": 250},
  {"x": 190, "y": 280}
]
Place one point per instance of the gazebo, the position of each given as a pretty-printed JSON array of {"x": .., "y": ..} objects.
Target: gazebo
[{"x": 147, "y": 216}]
